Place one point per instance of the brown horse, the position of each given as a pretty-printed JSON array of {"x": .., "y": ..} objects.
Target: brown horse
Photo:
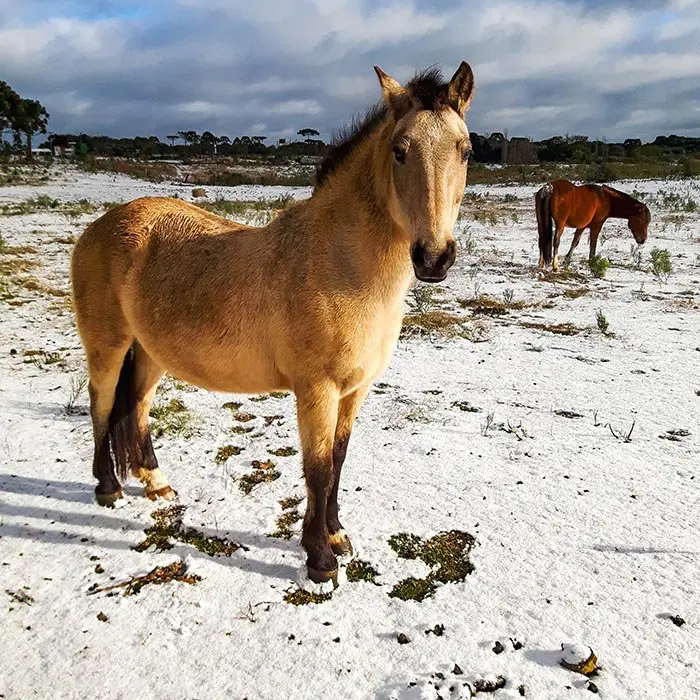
[
  {"x": 560, "y": 203},
  {"x": 312, "y": 302}
]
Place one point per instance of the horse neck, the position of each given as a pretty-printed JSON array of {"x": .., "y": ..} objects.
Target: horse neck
[
  {"x": 621, "y": 204},
  {"x": 369, "y": 247}
]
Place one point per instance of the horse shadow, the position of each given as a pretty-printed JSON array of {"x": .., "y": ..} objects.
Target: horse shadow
[{"x": 79, "y": 527}]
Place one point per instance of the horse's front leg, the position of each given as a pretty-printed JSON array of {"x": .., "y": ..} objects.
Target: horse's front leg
[
  {"x": 574, "y": 243},
  {"x": 555, "y": 253},
  {"x": 347, "y": 412},
  {"x": 317, "y": 412}
]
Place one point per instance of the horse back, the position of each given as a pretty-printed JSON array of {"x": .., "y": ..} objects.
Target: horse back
[{"x": 577, "y": 206}]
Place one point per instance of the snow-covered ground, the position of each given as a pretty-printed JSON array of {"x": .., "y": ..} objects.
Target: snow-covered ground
[{"x": 582, "y": 537}]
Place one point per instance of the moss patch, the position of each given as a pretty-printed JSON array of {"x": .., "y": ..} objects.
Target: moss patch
[
  {"x": 283, "y": 451},
  {"x": 291, "y": 502},
  {"x": 262, "y": 472},
  {"x": 284, "y": 525},
  {"x": 358, "y": 570},
  {"x": 168, "y": 527},
  {"x": 227, "y": 451},
  {"x": 171, "y": 418},
  {"x": 447, "y": 555},
  {"x": 301, "y": 597},
  {"x": 240, "y": 430}
]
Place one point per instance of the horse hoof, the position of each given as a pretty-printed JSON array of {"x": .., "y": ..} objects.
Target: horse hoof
[
  {"x": 108, "y": 499},
  {"x": 340, "y": 544},
  {"x": 167, "y": 493},
  {"x": 317, "y": 576}
]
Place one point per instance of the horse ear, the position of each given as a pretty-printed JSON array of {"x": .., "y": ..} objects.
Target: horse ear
[
  {"x": 396, "y": 97},
  {"x": 461, "y": 89}
]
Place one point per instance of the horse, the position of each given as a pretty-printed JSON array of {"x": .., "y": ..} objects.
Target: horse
[
  {"x": 312, "y": 303},
  {"x": 560, "y": 203}
]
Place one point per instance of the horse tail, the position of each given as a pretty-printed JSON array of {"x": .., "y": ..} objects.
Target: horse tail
[
  {"x": 123, "y": 427},
  {"x": 545, "y": 222}
]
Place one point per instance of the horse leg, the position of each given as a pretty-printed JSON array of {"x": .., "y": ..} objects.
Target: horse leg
[
  {"x": 555, "y": 253},
  {"x": 347, "y": 412},
  {"x": 104, "y": 367},
  {"x": 574, "y": 243},
  {"x": 317, "y": 413},
  {"x": 593, "y": 240},
  {"x": 147, "y": 374}
]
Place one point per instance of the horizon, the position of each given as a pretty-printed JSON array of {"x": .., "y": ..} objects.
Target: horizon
[{"x": 598, "y": 68}]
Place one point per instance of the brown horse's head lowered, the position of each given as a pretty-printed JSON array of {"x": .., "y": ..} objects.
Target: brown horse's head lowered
[
  {"x": 430, "y": 150},
  {"x": 639, "y": 223}
]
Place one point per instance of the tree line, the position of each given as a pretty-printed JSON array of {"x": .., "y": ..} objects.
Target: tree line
[{"x": 26, "y": 117}]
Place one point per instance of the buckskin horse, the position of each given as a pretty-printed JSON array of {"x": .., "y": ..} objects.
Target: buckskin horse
[
  {"x": 312, "y": 302},
  {"x": 560, "y": 203}
]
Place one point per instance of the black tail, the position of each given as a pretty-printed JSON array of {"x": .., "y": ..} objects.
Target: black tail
[
  {"x": 128, "y": 447},
  {"x": 545, "y": 223}
]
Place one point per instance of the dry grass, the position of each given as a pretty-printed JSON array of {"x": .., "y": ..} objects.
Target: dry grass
[{"x": 556, "y": 328}]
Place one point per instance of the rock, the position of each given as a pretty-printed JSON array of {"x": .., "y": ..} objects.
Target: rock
[
  {"x": 579, "y": 658},
  {"x": 457, "y": 670},
  {"x": 402, "y": 638},
  {"x": 199, "y": 192},
  {"x": 497, "y": 648},
  {"x": 102, "y": 617}
]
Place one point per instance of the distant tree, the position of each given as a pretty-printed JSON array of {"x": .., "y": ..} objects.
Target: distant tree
[
  {"x": 307, "y": 133},
  {"x": 208, "y": 140},
  {"x": 9, "y": 100},
  {"x": 259, "y": 139},
  {"x": 172, "y": 138},
  {"x": 31, "y": 116}
]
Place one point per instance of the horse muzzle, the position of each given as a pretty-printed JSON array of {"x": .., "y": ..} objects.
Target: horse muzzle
[{"x": 431, "y": 268}]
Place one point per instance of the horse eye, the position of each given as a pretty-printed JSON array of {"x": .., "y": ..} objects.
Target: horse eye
[
  {"x": 466, "y": 153},
  {"x": 399, "y": 154}
]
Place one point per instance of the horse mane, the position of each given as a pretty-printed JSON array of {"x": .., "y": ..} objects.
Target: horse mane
[
  {"x": 428, "y": 88},
  {"x": 629, "y": 199}
]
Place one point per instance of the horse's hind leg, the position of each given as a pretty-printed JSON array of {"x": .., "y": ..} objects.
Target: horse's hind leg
[
  {"x": 147, "y": 374},
  {"x": 557, "y": 239},
  {"x": 317, "y": 409},
  {"x": 574, "y": 243},
  {"x": 347, "y": 412},
  {"x": 104, "y": 367}
]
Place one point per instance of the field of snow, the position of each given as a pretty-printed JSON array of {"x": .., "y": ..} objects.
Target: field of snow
[{"x": 569, "y": 454}]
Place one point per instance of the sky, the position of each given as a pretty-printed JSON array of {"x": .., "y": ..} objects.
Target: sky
[{"x": 609, "y": 69}]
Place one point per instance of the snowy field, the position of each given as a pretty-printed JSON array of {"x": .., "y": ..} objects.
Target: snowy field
[{"x": 569, "y": 454}]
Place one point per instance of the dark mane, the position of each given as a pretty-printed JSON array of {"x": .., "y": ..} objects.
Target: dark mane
[{"x": 428, "y": 88}]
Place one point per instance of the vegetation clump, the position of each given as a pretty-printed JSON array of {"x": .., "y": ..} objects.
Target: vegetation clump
[
  {"x": 177, "y": 571},
  {"x": 283, "y": 451},
  {"x": 302, "y": 597},
  {"x": 359, "y": 570},
  {"x": 661, "y": 265},
  {"x": 263, "y": 472},
  {"x": 168, "y": 527},
  {"x": 171, "y": 418},
  {"x": 447, "y": 555},
  {"x": 227, "y": 451}
]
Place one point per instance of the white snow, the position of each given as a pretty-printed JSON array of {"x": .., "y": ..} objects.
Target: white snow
[{"x": 581, "y": 536}]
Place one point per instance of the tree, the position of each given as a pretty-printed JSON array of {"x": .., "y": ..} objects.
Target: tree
[
  {"x": 307, "y": 133},
  {"x": 209, "y": 140},
  {"x": 9, "y": 101},
  {"x": 29, "y": 117},
  {"x": 172, "y": 138}
]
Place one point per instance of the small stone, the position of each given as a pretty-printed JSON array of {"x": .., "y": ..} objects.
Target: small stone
[
  {"x": 592, "y": 687},
  {"x": 402, "y": 638},
  {"x": 457, "y": 670},
  {"x": 521, "y": 690},
  {"x": 579, "y": 658},
  {"x": 99, "y": 569},
  {"x": 677, "y": 620},
  {"x": 516, "y": 644},
  {"x": 498, "y": 648},
  {"x": 102, "y": 617}
]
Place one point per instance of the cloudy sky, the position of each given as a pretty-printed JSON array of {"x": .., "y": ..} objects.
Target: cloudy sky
[{"x": 605, "y": 68}]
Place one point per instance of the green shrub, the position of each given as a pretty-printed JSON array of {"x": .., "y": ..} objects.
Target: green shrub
[
  {"x": 599, "y": 266},
  {"x": 661, "y": 265}
]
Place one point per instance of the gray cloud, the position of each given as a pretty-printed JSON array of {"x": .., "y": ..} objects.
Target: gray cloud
[{"x": 601, "y": 68}]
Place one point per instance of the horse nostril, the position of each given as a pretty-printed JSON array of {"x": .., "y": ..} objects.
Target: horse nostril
[
  {"x": 448, "y": 256},
  {"x": 418, "y": 255}
]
